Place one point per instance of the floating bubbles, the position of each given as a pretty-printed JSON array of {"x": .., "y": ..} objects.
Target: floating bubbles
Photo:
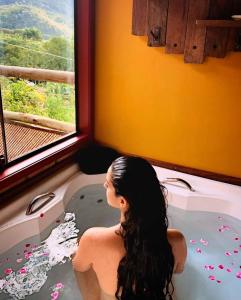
[{"x": 56, "y": 249}]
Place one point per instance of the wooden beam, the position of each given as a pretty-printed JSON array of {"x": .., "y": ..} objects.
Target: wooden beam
[
  {"x": 176, "y": 26},
  {"x": 38, "y": 74},
  {"x": 139, "y": 17},
  {"x": 196, "y": 36},
  {"x": 39, "y": 120}
]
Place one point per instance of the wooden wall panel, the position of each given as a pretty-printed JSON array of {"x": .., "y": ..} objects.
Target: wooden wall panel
[
  {"x": 139, "y": 17},
  {"x": 157, "y": 22},
  {"x": 231, "y": 39},
  {"x": 217, "y": 38},
  {"x": 195, "y": 28},
  {"x": 176, "y": 26},
  {"x": 237, "y": 11},
  {"x": 195, "y": 36}
]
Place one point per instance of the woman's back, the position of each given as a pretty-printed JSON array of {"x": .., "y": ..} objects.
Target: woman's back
[
  {"x": 100, "y": 281},
  {"x": 136, "y": 260}
]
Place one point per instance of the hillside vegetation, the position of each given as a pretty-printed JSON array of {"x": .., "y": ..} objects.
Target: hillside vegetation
[
  {"x": 55, "y": 6},
  {"x": 25, "y": 14},
  {"x": 38, "y": 34}
]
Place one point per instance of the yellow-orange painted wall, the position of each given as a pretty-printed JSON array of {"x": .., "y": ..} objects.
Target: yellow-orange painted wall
[{"x": 152, "y": 104}]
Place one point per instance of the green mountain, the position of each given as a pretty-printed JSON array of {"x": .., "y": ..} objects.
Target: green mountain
[
  {"x": 55, "y": 6},
  {"x": 52, "y": 18}
]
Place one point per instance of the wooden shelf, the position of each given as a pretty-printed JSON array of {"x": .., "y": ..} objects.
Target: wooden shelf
[{"x": 219, "y": 23}]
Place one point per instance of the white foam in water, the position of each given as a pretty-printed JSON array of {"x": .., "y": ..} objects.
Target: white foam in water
[{"x": 61, "y": 243}]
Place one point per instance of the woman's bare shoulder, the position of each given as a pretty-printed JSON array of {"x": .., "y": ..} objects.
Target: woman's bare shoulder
[
  {"x": 174, "y": 234},
  {"x": 105, "y": 239},
  {"x": 179, "y": 248},
  {"x": 176, "y": 239},
  {"x": 101, "y": 232}
]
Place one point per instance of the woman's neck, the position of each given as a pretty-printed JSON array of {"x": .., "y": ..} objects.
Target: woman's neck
[{"x": 122, "y": 216}]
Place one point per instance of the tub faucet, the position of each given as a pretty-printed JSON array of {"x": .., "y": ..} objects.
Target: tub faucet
[{"x": 184, "y": 182}]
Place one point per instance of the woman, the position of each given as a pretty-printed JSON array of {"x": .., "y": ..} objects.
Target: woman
[{"x": 136, "y": 258}]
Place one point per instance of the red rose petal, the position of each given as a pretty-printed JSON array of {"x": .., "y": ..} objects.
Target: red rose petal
[
  {"x": 23, "y": 270},
  {"x": 205, "y": 243},
  {"x": 28, "y": 255},
  {"x": 59, "y": 285},
  {"x": 8, "y": 271}
]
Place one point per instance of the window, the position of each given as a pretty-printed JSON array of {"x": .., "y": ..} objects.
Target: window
[{"x": 45, "y": 106}]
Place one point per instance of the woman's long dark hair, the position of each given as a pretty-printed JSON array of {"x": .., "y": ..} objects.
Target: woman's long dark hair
[{"x": 145, "y": 272}]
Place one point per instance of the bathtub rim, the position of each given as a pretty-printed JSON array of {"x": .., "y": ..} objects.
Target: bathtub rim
[{"x": 185, "y": 199}]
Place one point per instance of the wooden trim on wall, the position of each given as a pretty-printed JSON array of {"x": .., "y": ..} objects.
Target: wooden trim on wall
[
  {"x": 183, "y": 169},
  {"x": 196, "y": 172},
  {"x": 191, "y": 171}
]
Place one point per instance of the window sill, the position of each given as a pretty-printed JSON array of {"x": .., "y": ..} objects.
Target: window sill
[{"x": 27, "y": 169}]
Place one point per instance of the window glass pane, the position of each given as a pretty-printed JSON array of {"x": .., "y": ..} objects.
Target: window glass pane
[
  {"x": 1, "y": 146},
  {"x": 37, "y": 68}
]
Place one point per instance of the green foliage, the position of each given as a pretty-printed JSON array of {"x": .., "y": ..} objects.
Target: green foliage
[
  {"x": 60, "y": 6},
  {"x": 62, "y": 60},
  {"x": 21, "y": 96},
  {"x": 32, "y": 33},
  {"x": 54, "y": 54},
  {"x": 53, "y": 100},
  {"x": 23, "y": 16},
  {"x": 15, "y": 52},
  {"x": 60, "y": 103}
]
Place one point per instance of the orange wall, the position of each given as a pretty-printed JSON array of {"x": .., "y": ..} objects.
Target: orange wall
[{"x": 152, "y": 104}]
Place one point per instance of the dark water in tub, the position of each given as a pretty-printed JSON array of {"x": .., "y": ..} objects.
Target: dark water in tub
[{"x": 213, "y": 268}]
